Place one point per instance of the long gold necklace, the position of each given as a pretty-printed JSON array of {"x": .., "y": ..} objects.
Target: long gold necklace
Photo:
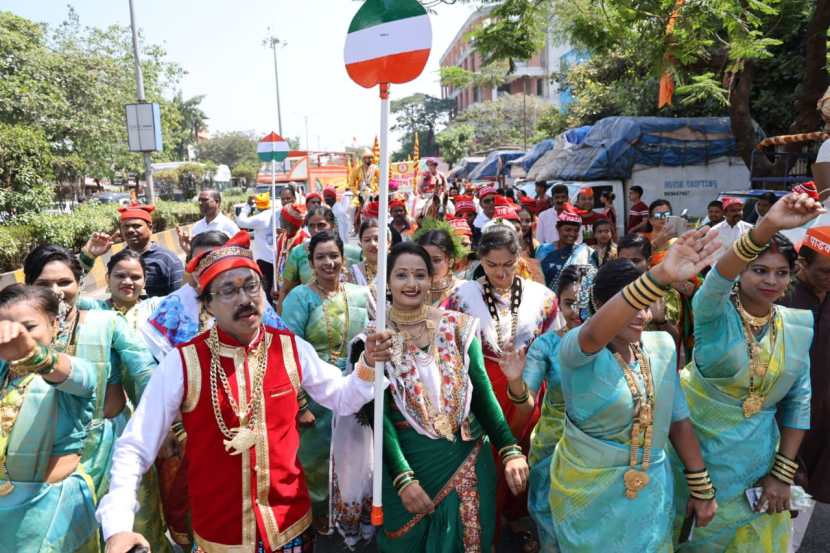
[
  {"x": 754, "y": 401},
  {"x": 369, "y": 271},
  {"x": 642, "y": 424},
  {"x": 244, "y": 436},
  {"x": 334, "y": 351},
  {"x": 65, "y": 340}
]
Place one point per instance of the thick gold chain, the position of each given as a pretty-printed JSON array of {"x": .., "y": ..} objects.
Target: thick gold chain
[{"x": 216, "y": 370}]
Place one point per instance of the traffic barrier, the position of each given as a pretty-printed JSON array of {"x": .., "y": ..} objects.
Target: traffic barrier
[{"x": 96, "y": 280}]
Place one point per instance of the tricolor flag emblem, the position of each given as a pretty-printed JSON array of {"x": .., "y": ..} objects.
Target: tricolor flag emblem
[
  {"x": 272, "y": 148},
  {"x": 388, "y": 42}
]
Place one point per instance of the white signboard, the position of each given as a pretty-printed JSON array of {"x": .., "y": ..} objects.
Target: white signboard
[{"x": 143, "y": 127}]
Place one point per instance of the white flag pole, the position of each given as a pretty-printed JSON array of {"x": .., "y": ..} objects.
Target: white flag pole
[
  {"x": 274, "y": 221},
  {"x": 377, "y": 501}
]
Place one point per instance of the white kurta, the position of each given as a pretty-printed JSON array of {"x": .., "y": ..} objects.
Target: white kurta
[
  {"x": 260, "y": 223},
  {"x": 138, "y": 446},
  {"x": 221, "y": 223},
  {"x": 728, "y": 234}
]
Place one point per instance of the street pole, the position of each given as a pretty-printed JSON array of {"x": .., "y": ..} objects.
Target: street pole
[
  {"x": 139, "y": 86},
  {"x": 307, "y": 145},
  {"x": 273, "y": 42}
]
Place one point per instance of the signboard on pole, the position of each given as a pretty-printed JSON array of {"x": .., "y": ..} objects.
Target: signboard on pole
[{"x": 143, "y": 127}]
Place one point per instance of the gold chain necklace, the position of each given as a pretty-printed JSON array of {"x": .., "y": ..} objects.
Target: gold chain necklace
[
  {"x": 643, "y": 421},
  {"x": 754, "y": 401},
  {"x": 244, "y": 436},
  {"x": 440, "y": 292},
  {"x": 752, "y": 320},
  {"x": 334, "y": 352},
  {"x": 413, "y": 317}
]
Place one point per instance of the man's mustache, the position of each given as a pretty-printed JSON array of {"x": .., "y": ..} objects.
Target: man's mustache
[{"x": 244, "y": 311}]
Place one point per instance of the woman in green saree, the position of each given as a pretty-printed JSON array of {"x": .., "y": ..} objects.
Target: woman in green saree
[
  {"x": 328, "y": 314},
  {"x": 749, "y": 385},
  {"x": 120, "y": 360},
  {"x": 611, "y": 485},
  {"x": 47, "y": 502},
  {"x": 439, "y": 477}
]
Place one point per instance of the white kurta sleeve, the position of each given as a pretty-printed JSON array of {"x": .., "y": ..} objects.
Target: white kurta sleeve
[
  {"x": 158, "y": 344},
  {"x": 326, "y": 385},
  {"x": 138, "y": 446}
]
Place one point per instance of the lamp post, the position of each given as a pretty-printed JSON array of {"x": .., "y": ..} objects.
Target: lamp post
[
  {"x": 272, "y": 42},
  {"x": 139, "y": 86}
]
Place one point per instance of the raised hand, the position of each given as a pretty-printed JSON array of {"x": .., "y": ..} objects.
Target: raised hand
[
  {"x": 792, "y": 211},
  {"x": 691, "y": 253},
  {"x": 15, "y": 341},
  {"x": 512, "y": 361},
  {"x": 184, "y": 239},
  {"x": 98, "y": 244}
]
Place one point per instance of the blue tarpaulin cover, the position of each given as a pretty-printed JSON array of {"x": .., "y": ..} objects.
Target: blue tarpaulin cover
[
  {"x": 527, "y": 160},
  {"x": 577, "y": 134},
  {"x": 495, "y": 164},
  {"x": 614, "y": 145}
]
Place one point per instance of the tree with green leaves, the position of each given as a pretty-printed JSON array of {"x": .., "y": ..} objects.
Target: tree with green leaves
[
  {"x": 230, "y": 148},
  {"x": 419, "y": 114}
]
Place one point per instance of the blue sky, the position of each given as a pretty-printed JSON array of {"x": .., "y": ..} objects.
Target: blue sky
[{"x": 219, "y": 44}]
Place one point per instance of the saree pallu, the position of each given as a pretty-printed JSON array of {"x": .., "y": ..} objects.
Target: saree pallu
[
  {"x": 590, "y": 510},
  {"x": 50, "y": 518},
  {"x": 461, "y": 474},
  {"x": 738, "y": 451},
  {"x": 543, "y": 442}
]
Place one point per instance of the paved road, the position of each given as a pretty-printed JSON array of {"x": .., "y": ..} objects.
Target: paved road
[{"x": 817, "y": 539}]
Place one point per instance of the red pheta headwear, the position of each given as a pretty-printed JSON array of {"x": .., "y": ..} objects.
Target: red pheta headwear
[
  {"x": 137, "y": 211},
  {"x": 235, "y": 254}
]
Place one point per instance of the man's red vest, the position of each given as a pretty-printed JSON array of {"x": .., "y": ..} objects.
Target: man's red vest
[{"x": 260, "y": 494}]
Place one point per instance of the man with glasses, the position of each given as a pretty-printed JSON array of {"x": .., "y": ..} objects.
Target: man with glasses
[
  {"x": 732, "y": 226},
  {"x": 239, "y": 387},
  {"x": 487, "y": 202}
]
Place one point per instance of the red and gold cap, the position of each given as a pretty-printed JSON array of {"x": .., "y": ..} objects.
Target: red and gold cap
[
  {"x": 818, "y": 240},
  {"x": 464, "y": 204},
  {"x": 397, "y": 202},
  {"x": 486, "y": 191},
  {"x": 460, "y": 227},
  {"x": 295, "y": 214},
  {"x": 313, "y": 196},
  {"x": 569, "y": 215},
  {"x": 329, "y": 192},
  {"x": 234, "y": 254},
  {"x": 137, "y": 211},
  {"x": 529, "y": 203},
  {"x": 731, "y": 201},
  {"x": 505, "y": 209},
  {"x": 371, "y": 210}
]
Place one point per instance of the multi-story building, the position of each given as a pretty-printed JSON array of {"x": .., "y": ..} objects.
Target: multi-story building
[{"x": 531, "y": 76}]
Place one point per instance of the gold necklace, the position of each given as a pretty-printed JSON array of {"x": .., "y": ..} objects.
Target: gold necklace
[
  {"x": 752, "y": 320},
  {"x": 643, "y": 421},
  {"x": 336, "y": 353},
  {"x": 409, "y": 317},
  {"x": 754, "y": 401},
  {"x": 370, "y": 271},
  {"x": 440, "y": 292},
  {"x": 244, "y": 436}
]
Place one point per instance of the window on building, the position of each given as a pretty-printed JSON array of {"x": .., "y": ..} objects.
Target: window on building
[
  {"x": 477, "y": 94},
  {"x": 540, "y": 87}
]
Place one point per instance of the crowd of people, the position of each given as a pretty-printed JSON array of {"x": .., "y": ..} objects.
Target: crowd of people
[{"x": 661, "y": 389}]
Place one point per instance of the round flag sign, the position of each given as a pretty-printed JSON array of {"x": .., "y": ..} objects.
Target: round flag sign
[
  {"x": 272, "y": 148},
  {"x": 388, "y": 42}
]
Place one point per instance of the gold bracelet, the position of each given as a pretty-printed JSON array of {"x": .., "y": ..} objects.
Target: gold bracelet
[
  {"x": 401, "y": 476},
  {"x": 784, "y": 469},
  {"x": 746, "y": 248},
  {"x": 406, "y": 485},
  {"x": 26, "y": 358},
  {"x": 518, "y": 400},
  {"x": 700, "y": 485},
  {"x": 643, "y": 292},
  {"x": 364, "y": 371}
]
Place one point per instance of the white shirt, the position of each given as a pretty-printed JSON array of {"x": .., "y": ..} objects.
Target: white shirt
[
  {"x": 823, "y": 155},
  {"x": 546, "y": 232},
  {"x": 221, "y": 223},
  {"x": 727, "y": 235},
  {"x": 342, "y": 216},
  {"x": 137, "y": 448},
  {"x": 481, "y": 220},
  {"x": 263, "y": 248}
]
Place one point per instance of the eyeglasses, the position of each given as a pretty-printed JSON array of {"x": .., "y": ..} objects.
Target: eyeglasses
[
  {"x": 229, "y": 293},
  {"x": 662, "y": 214},
  {"x": 487, "y": 201}
]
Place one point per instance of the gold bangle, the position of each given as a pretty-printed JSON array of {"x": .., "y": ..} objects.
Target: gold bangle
[
  {"x": 643, "y": 292},
  {"x": 700, "y": 485},
  {"x": 406, "y": 485},
  {"x": 518, "y": 400},
  {"x": 364, "y": 371},
  {"x": 402, "y": 476}
]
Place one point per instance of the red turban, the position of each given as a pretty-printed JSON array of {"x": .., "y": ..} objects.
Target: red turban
[
  {"x": 486, "y": 191},
  {"x": 371, "y": 210},
  {"x": 329, "y": 192},
  {"x": 235, "y": 254},
  {"x": 460, "y": 227},
  {"x": 313, "y": 196},
  {"x": 294, "y": 214},
  {"x": 397, "y": 202},
  {"x": 464, "y": 204},
  {"x": 818, "y": 240},
  {"x": 136, "y": 211},
  {"x": 505, "y": 209}
]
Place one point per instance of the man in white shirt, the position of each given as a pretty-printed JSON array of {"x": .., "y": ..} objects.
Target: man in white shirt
[
  {"x": 210, "y": 203},
  {"x": 732, "y": 227},
  {"x": 244, "y": 429},
  {"x": 546, "y": 225},
  {"x": 263, "y": 226},
  {"x": 487, "y": 201}
]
